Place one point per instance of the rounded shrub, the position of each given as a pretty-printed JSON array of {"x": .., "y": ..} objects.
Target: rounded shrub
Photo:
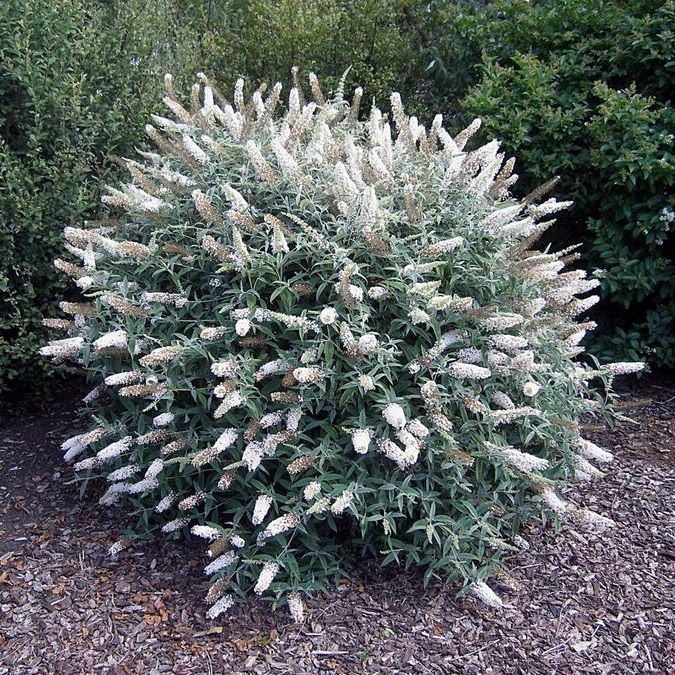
[{"x": 315, "y": 338}]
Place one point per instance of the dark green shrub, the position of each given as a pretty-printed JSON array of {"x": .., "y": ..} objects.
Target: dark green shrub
[
  {"x": 77, "y": 79},
  {"x": 582, "y": 89},
  {"x": 263, "y": 39}
]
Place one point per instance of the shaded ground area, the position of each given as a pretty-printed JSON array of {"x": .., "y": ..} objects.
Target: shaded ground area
[{"x": 581, "y": 604}]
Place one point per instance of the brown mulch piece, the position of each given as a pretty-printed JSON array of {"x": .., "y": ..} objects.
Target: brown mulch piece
[{"x": 578, "y": 603}]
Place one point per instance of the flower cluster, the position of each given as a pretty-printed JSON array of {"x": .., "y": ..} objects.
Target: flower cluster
[{"x": 307, "y": 324}]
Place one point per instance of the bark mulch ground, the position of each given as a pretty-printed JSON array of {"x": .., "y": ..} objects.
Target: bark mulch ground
[{"x": 581, "y": 604}]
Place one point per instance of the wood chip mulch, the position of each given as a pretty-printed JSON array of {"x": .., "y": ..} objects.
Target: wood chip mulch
[{"x": 578, "y": 604}]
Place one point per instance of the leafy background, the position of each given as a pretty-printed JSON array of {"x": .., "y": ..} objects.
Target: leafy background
[{"x": 576, "y": 88}]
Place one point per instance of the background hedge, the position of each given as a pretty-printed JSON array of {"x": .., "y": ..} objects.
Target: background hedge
[
  {"x": 78, "y": 80},
  {"x": 581, "y": 89}
]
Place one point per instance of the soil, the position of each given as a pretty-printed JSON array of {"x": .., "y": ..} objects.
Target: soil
[{"x": 576, "y": 604}]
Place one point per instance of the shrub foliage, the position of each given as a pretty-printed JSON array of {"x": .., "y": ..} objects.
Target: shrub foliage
[
  {"x": 77, "y": 81},
  {"x": 582, "y": 90},
  {"x": 315, "y": 337}
]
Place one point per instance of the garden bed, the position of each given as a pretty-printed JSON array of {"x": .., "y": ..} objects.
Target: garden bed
[{"x": 580, "y": 603}]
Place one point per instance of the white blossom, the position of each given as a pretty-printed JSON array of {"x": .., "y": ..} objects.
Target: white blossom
[
  {"x": 502, "y": 400},
  {"x": 123, "y": 473},
  {"x": 367, "y": 344},
  {"x": 361, "y": 440},
  {"x": 418, "y": 316},
  {"x": 155, "y": 468},
  {"x": 319, "y": 506},
  {"x": 293, "y": 418},
  {"x": 252, "y": 455},
  {"x": 429, "y": 390},
  {"x": 470, "y": 355},
  {"x": 531, "y": 388},
  {"x": 279, "y": 243},
  {"x": 468, "y": 371},
  {"x": 500, "y": 417},
  {"x": 356, "y": 292},
  {"x": 230, "y": 401},
  {"x": 279, "y": 526},
  {"x": 219, "y": 607},
  {"x": 270, "y": 420},
  {"x": 623, "y": 367},
  {"x": 587, "y": 470},
  {"x": 114, "y": 450},
  {"x": 93, "y": 395},
  {"x": 276, "y": 367},
  {"x": 308, "y": 375},
  {"x": 73, "y": 447},
  {"x": 451, "y": 303},
  {"x": 242, "y": 327},
  {"x": 205, "y": 532},
  {"x": 343, "y": 502},
  {"x": 118, "y": 547},
  {"x": 166, "y": 502},
  {"x": 418, "y": 429},
  {"x": 309, "y": 356},
  {"x": 328, "y": 316},
  {"x": 212, "y": 333},
  {"x": 260, "y": 509},
  {"x": 532, "y": 307},
  {"x": 222, "y": 561},
  {"x": 502, "y": 321},
  {"x": 195, "y": 150},
  {"x": 175, "y": 299},
  {"x": 296, "y": 607},
  {"x": 124, "y": 378},
  {"x": 224, "y": 368},
  {"x": 192, "y": 501},
  {"x": 592, "y": 521},
  {"x": 443, "y": 246},
  {"x": 592, "y": 451},
  {"x": 496, "y": 359},
  {"x": 174, "y": 525},
  {"x": 484, "y": 593},
  {"x": 66, "y": 348},
  {"x": 520, "y": 460},
  {"x": 163, "y": 419},
  {"x": 116, "y": 339},
  {"x": 394, "y": 415},
  {"x": 426, "y": 289},
  {"x": 161, "y": 356},
  {"x": 554, "y": 502},
  {"x": 508, "y": 343},
  {"x": 523, "y": 361},
  {"x": 377, "y": 292},
  {"x": 267, "y": 574},
  {"x": 312, "y": 491},
  {"x": 394, "y": 452},
  {"x": 575, "y": 338}
]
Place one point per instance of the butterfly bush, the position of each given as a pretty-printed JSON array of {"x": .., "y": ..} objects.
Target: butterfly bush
[{"x": 318, "y": 335}]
